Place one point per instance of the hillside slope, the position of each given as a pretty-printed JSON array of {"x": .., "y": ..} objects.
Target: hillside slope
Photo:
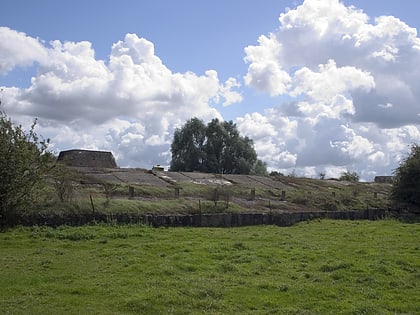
[{"x": 189, "y": 192}]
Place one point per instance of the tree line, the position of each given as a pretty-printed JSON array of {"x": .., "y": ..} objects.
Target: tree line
[{"x": 214, "y": 148}]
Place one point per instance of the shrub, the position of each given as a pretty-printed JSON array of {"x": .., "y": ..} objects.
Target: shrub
[
  {"x": 406, "y": 186},
  {"x": 349, "y": 176},
  {"x": 24, "y": 161}
]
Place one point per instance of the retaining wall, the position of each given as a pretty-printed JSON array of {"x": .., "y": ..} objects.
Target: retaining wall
[{"x": 203, "y": 220}]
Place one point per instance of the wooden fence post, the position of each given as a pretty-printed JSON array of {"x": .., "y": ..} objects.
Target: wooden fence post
[
  {"x": 283, "y": 195},
  {"x": 177, "y": 192},
  {"x": 252, "y": 193}
]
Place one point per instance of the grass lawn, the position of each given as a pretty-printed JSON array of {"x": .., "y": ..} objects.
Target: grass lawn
[{"x": 317, "y": 267}]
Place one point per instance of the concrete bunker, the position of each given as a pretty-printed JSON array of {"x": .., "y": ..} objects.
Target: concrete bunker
[
  {"x": 384, "y": 179},
  {"x": 87, "y": 158}
]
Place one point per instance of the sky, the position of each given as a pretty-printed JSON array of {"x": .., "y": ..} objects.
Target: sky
[{"x": 321, "y": 86}]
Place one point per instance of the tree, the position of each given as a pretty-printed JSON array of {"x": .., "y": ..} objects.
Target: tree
[
  {"x": 349, "y": 176},
  {"x": 63, "y": 182},
  {"x": 276, "y": 173},
  {"x": 227, "y": 151},
  {"x": 215, "y": 148},
  {"x": 260, "y": 168},
  {"x": 216, "y": 139},
  {"x": 23, "y": 162},
  {"x": 188, "y": 147},
  {"x": 406, "y": 185}
]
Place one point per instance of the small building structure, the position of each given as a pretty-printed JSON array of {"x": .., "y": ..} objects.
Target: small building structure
[
  {"x": 384, "y": 179},
  {"x": 158, "y": 168},
  {"x": 87, "y": 158}
]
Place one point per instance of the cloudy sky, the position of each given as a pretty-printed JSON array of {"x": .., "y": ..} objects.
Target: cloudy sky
[{"x": 319, "y": 85}]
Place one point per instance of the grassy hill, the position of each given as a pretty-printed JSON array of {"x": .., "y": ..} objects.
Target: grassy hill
[{"x": 141, "y": 191}]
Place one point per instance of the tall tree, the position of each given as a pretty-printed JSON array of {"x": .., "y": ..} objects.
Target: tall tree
[
  {"x": 215, "y": 144},
  {"x": 406, "y": 186},
  {"x": 188, "y": 147},
  {"x": 221, "y": 150}
]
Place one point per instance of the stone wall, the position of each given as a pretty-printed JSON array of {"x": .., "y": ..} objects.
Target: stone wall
[
  {"x": 250, "y": 219},
  {"x": 201, "y": 220},
  {"x": 87, "y": 158}
]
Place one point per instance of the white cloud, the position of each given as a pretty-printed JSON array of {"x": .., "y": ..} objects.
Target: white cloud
[
  {"x": 256, "y": 125},
  {"x": 272, "y": 136},
  {"x": 128, "y": 104},
  {"x": 373, "y": 63},
  {"x": 334, "y": 171},
  {"x": 355, "y": 146},
  {"x": 265, "y": 72},
  {"x": 349, "y": 81},
  {"x": 18, "y": 49},
  {"x": 378, "y": 158},
  {"x": 330, "y": 81},
  {"x": 229, "y": 94},
  {"x": 352, "y": 87}
]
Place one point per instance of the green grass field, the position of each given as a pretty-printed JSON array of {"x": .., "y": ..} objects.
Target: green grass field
[{"x": 317, "y": 267}]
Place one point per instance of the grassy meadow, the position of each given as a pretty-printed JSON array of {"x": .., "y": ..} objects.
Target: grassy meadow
[{"x": 316, "y": 267}]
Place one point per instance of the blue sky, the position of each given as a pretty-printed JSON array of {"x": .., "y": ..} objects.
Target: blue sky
[
  {"x": 273, "y": 94},
  {"x": 188, "y": 35}
]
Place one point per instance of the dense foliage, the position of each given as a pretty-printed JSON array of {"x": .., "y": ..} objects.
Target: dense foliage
[
  {"x": 349, "y": 176},
  {"x": 23, "y": 163},
  {"x": 214, "y": 148},
  {"x": 406, "y": 186}
]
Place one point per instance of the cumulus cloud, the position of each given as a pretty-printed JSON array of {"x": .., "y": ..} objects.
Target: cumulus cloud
[
  {"x": 352, "y": 86},
  {"x": 17, "y": 49},
  {"x": 129, "y": 104},
  {"x": 345, "y": 84},
  {"x": 330, "y": 81}
]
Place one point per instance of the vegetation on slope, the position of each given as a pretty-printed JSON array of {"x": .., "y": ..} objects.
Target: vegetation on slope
[{"x": 71, "y": 192}]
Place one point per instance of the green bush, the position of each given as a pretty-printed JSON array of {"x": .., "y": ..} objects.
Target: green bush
[
  {"x": 24, "y": 161},
  {"x": 349, "y": 176},
  {"x": 406, "y": 186}
]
